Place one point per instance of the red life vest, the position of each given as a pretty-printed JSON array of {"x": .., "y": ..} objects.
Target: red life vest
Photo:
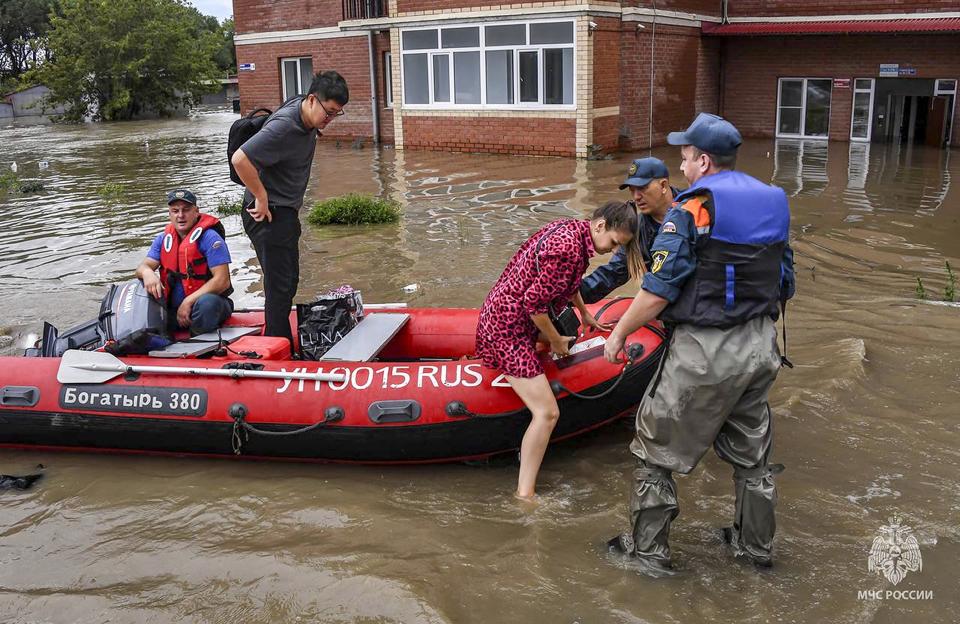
[{"x": 181, "y": 260}]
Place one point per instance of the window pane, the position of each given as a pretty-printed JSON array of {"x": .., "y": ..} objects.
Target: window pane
[
  {"x": 552, "y": 32},
  {"x": 789, "y": 121},
  {"x": 528, "y": 77},
  {"x": 289, "y": 79},
  {"x": 415, "y": 76},
  {"x": 514, "y": 34},
  {"x": 791, "y": 93},
  {"x": 441, "y": 78},
  {"x": 558, "y": 76},
  {"x": 461, "y": 37},
  {"x": 466, "y": 77},
  {"x": 420, "y": 40},
  {"x": 862, "y": 84},
  {"x": 500, "y": 77},
  {"x": 817, "y": 117},
  {"x": 947, "y": 85},
  {"x": 306, "y": 75},
  {"x": 861, "y": 115}
]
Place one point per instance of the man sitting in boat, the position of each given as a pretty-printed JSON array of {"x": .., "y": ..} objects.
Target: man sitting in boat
[{"x": 194, "y": 264}]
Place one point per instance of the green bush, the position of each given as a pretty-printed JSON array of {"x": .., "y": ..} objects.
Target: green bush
[
  {"x": 30, "y": 186},
  {"x": 354, "y": 209},
  {"x": 111, "y": 192},
  {"x": 10, "y": 181},
  {"x": 227, "y": 207}
]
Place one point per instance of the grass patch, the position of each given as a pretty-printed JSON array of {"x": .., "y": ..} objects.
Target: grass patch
[
  {"x": 111, "y": 192},
  {"x": 9, "y": 181},
  {"x": 354, "y": 209},
  {"x": 949, "y": 289},
  {"x": 227, "y": 207}
]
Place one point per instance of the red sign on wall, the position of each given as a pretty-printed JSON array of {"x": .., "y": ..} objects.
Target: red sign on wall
[{"x": 841, "y": 83}]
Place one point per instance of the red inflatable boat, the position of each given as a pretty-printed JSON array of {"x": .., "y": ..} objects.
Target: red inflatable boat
[{"x": 422, "y": 398}]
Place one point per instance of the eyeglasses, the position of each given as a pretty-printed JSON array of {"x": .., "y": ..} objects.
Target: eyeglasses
[{"x": 339, "y": 113}]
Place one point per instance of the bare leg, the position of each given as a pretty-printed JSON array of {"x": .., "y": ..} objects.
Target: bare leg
[{"x": 537, "y": 396}]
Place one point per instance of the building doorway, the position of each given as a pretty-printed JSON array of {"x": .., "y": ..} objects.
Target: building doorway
[{"x": 911, "y": 111}]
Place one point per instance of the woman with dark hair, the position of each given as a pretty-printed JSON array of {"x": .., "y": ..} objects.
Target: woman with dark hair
[{"x": 545, "y": 275}]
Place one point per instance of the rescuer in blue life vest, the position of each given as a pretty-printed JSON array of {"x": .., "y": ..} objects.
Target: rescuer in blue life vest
[
  {"x": 722, "y": 270},
  {"x": 194, "y": 264},
  {"x": 649, "y": 182}
]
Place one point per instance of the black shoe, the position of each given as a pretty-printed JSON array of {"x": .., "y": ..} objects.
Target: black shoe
[{"x": 726, "y": 533}]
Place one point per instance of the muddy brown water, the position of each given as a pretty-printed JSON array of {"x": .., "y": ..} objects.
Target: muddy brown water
[{"x": 867, "y": 423}]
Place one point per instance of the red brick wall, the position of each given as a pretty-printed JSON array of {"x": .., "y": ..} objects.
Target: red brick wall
[
  {"x": 405, "y": 6},
  {"x": 685, "y": 83},
  {"x": 702, "y": 7},
  {"x": 606, "y": 81},
  {"x": 347, "y": 55},
  {"x": 541, "y": 136},
  {"x": 753, "y": 66},
  {"x": 606, "y": 132},
  {"x": 606, "y": 62},
  {"x": 259, "y": 16},
  {"x": 772, "y": 8}
]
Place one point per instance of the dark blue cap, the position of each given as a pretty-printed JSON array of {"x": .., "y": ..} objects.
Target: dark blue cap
[
  {"x": 709, "y": 133},
  {"x": 643, "y": 170},
  {"x": 181, "y": 195}
]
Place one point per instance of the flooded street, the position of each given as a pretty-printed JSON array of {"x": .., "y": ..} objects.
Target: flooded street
[{"x": 868, "y": 423}]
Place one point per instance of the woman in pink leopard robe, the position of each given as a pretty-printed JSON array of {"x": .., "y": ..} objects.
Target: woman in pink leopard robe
[{"x": 546, "y": 271}]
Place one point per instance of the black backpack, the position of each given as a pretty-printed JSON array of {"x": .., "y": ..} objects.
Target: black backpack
[{"x": 241, "y": 130}]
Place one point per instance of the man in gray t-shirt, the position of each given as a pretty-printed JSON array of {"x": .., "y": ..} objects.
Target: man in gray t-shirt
[{"x": 274, "y": 165}]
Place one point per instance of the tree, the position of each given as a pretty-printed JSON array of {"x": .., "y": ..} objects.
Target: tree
[
  {"x": 23, "y": 27},
  {"x": 226, "y": 56},
  {"x": 115, "y": 59}
]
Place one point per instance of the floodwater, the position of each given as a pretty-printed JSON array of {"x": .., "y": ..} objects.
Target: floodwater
[{"x": 867, "y": 423}]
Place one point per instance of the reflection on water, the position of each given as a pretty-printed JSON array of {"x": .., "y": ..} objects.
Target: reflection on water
[{"x": 867, "y": 421}]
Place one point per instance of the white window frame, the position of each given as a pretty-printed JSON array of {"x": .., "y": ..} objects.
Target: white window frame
[
  {"x": 803, "y": 109},
  {"x": 938, "y": 90},
  {"x": 388, "y": 79},
  {"x": 853, "y": 107},
  {"x": 283, "y": 77},
  {"x": 482, "y": 49}
]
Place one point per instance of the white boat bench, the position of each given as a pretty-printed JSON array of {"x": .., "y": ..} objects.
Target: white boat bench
[
  {"x": 366, "y": 340},
  {"x": 203, "y": 343}
]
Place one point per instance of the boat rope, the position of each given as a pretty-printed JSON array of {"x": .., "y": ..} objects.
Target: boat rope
[{"x": 238, "y": 412}]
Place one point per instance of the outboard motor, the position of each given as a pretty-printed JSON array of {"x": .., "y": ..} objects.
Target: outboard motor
[{"x": 130, "y": 322}]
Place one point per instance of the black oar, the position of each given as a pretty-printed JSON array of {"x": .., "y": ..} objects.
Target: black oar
[{"x": 92, "y": 367}]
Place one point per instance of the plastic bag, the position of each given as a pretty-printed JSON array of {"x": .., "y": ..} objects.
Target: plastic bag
[{"x": 324, "y": 322}]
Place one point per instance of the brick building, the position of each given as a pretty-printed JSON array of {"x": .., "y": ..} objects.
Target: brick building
[{"x": 572, "y": 77}]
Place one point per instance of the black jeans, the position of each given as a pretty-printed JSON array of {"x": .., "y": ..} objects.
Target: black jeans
[{"x": 277, "y": 244}]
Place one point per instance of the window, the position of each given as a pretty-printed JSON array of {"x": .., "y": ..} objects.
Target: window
[
  {"x": 514, "y": 65},
  {"x": 388, "y": 79},
  {"x": 862, "y": 117},
  {"x": 803, "y": 107},
  {"x": 297, "y": 75}
]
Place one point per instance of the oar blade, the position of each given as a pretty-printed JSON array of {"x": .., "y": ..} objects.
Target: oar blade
[{"x": 88, "y": 367}]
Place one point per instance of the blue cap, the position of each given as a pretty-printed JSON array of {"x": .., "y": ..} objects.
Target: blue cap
[
  {"x": 181, "y": 195},
  {"x": 709, "y": 133},
  {"x": 643, "y": 170}
]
